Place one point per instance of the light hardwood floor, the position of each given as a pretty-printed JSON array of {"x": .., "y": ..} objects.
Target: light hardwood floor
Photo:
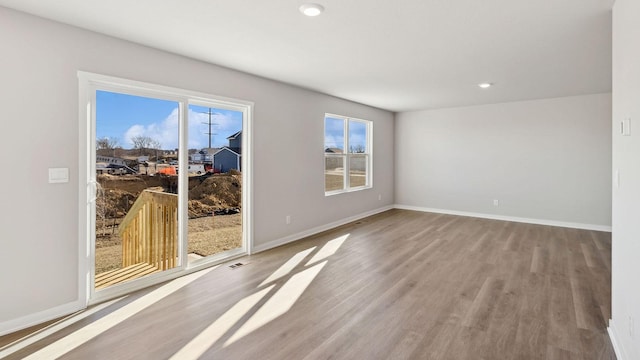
[{"x": 397, "y": 285}]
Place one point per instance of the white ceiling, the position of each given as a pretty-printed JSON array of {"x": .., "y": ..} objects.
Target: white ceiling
[{"x": 398, "y": 55}]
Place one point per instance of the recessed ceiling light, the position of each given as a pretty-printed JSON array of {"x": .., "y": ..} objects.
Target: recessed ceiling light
[
  {"x": 311, "y": 9},
  {"x": 485, "y": 85}
]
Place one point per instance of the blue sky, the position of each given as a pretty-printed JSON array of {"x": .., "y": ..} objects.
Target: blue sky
[
  {"x": 121, "y": 117},
  {"x": 334, "y": 133}
]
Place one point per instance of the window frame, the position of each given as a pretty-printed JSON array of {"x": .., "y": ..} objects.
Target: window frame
[{"x": 346, "y": 155}]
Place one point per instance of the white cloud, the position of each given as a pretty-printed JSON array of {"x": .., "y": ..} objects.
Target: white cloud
[
  {"x": 166, "y": 131},
  {"x": 333, "y": 141},
  {"x": 222, "y": 127}
]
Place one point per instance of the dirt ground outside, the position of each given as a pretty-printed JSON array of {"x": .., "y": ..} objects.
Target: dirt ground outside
[
  {"x": 215, "y": 220},
  {"x": 335, "y": 181}
]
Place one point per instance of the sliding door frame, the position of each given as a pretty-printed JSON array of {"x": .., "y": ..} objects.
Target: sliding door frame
[{"x": 89, "y": 83}]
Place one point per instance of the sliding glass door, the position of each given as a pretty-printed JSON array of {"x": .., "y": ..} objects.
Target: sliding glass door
[
  {"x": 136, "y": 206},
  {"x": 167, "y": 183},
  {"x": 215, "y": 182}
]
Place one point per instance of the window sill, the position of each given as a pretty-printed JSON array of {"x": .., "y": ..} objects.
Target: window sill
[{"x": 337, "y": 192}]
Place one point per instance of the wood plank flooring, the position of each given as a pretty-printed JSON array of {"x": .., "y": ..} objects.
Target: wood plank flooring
[{"x": 397, "y": 285}]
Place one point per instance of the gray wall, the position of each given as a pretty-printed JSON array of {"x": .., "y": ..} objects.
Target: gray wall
[
  {"x": 626, "y": 197},
  {"x": 547, "y": 160},
  {"x": 39, "y": 94}
]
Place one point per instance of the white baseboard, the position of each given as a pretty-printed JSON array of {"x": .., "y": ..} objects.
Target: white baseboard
[
  {"x": 301, "y": 235},
  {"x": 24, "y": 322},
  {"x": 617, "y": 346},
  {"x": 508, "y": 218}
]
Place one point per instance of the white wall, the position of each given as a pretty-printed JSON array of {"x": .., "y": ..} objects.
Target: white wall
[
  {"x": 626, "y": 197},
  {"x": 546, "y": 161},
  {"x": 39, "y": 98}
]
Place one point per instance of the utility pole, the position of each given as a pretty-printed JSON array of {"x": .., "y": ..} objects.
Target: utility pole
[{"x": 210, "y": 133}]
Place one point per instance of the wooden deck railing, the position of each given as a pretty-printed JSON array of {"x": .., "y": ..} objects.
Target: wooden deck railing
[{"x": 149, "y": 231}]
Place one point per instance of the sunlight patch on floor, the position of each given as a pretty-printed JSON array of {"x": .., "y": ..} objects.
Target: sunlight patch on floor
[
  {"x": 81, "y": 336},
  {"x": 328, "y": 249},
  {"x": 203, "y": 341},
  {"x": 287, "y": 267},
  {"x": 279, "y": 303},
  {"x": 53, "y": 328}
]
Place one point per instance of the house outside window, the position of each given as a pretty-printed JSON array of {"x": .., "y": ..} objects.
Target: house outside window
[{"x": 347, "y": 154}]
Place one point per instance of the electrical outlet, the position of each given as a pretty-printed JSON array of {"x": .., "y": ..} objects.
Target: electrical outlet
[
  {"x": 496, "y": 202},
  {"x": 287, "y": 219},
  {"x": 379, "y": 196},
  {"x": 631, "y": 327}
]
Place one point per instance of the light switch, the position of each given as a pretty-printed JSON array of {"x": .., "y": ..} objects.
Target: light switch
[{"x": 58, "y": 175}]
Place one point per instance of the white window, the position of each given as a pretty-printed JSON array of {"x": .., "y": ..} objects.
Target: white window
[{"x": 347, "y": 154}]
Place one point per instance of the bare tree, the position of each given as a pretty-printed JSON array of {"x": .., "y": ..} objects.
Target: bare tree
[
  {"x": 156, "y": 146},
  {"x": 107, "y": 146},
  {"x": 106, "y": 143},
  {"x": 357, "y": 149},
  {"x": 141, "y": 143}
]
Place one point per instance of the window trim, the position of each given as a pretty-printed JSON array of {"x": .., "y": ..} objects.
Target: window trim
[{"x": 346, "y": 155}]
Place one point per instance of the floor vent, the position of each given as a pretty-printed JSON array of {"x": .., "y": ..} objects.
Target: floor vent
[{"x": 236, "y": 265}]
